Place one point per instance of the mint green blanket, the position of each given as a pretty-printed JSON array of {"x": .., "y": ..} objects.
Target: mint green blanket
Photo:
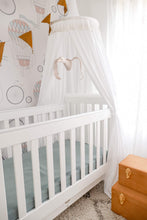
[{"x": 28, "y": 178}]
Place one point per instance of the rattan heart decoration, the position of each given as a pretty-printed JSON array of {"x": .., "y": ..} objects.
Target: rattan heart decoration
[{"x": 68, "y": 65}]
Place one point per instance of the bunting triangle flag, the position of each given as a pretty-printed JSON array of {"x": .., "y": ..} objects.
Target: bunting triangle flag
[
  {"x": 47, "y": 20},
  {"x": 2, "y": 44},
  {"x": 27, "y": 37},
  {"x": 63, "y": 3}
]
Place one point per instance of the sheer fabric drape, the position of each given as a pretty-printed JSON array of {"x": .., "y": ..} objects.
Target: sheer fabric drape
[{"x": 127, "y": 49}]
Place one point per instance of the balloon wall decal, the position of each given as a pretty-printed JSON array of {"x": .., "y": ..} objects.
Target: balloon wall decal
[
  {"x": 29, "y": 21},
  {"x": 40, "y": 9},
  {"x": 36, "y": 89},
  {"x": 8, "y": 7},
  {"x": 21, "y": 36},
  {"x": 16, "y": 28},
  {"x": 64, "y": 4},
  {"x": 2, "y": 44},
  {"x": 60, "y": 8}
]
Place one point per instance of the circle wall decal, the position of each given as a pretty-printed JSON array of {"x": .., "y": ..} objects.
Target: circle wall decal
[
  {"x": 15, "y": 95},
  {"x": 53, "y": 8},
  {"x": 28, "y": 99},
  {"x": 40, "y": 68}
]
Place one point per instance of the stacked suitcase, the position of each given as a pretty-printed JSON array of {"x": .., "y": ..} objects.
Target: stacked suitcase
[{"x": 129, "y": 194}]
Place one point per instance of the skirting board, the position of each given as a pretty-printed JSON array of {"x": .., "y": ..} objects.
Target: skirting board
[{"x": 53, "y": 207}]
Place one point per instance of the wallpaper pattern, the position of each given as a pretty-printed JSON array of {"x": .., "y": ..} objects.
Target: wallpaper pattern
[{"x": 22, "y": 64}]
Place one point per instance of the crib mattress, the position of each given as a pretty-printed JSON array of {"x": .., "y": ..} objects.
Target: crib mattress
[{"x": 28, "y": 178}]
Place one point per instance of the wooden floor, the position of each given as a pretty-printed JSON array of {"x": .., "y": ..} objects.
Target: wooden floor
[{"x": 96, "y": 206}]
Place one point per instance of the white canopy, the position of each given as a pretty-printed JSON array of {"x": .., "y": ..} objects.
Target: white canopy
[
  {"x": 74, "y": 37},
  {"x": 80, "y": 37}
]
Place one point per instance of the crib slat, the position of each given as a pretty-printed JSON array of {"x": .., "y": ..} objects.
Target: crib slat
[
  {"x": 58, "y": 114},
  {"x": 3, "y": 203},
  {"x": 68, "y": 113},
  {"x": 93, "y": 107},
  {"x": 98, "y": 138},
  {"x": 105, "y": 140},
  {"x": 8, "y": 149},
  {"x": 17, "y": 122},
  {"x": 85, "y": 107},
  {"x": 91, "y": 149},
  {"x": 6, "y": 124},
  {"x": 39, "y": 118},
  {"x": 44, "y": 117},
  {"x": 74, "y": 109},
  {"x": 61, "y": 113},
  {"x": 78, "y": 108},
  {"x": 81, "y": 108},
  {"x": 26, "y": 120},
  {"x": 28, "y": 143},
  {"x": 51, "y": 115},
  {"x": 98, "y": 143},
  {"x": 105, "y": 137},
  {"x": 36, "y": 172},
  {"x": 73, "y": 156},
  {"x": 62, "y": 160},
  {"x": 50, "y": 166},
  {"x": 89, "y": 107},
  {"x": 35, "y": 118},
  {"x": 82, "y": 152},
  {"x": 19, "y": 179}
]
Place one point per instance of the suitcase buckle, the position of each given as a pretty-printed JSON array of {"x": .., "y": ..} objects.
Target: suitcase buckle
[
  {"x": 122, "y": 198},
  {"x": 128, "y": 173}
]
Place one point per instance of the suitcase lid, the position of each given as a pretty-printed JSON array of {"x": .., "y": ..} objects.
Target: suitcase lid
[{"x": 135, "y": 162}]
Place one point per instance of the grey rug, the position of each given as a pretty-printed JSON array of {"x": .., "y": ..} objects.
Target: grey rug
[{"x": 95, "y": 207}]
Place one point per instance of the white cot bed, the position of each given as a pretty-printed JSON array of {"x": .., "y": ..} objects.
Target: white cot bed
[{"x": 50, "y": 156}]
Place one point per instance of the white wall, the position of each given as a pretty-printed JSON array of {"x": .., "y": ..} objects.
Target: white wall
[
  {"x": 96, "y": 9},
  {"x": 19, "y": 84}
]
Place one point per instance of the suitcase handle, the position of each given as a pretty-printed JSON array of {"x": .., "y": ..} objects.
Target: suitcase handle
[
  {"x": 128, "y": 173},
  {"x": 122, "y": 198}
]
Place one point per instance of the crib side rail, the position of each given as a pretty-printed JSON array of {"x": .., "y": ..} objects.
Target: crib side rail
[
  {"x": 31, "y": 111},
  {"x": 86, "y": 98},
  {"x": 31, "y": 133},
  {"x": 25, "y": 116},
  {"x": 28, "y": 133},
  {"x": 76, "y": 103}
]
